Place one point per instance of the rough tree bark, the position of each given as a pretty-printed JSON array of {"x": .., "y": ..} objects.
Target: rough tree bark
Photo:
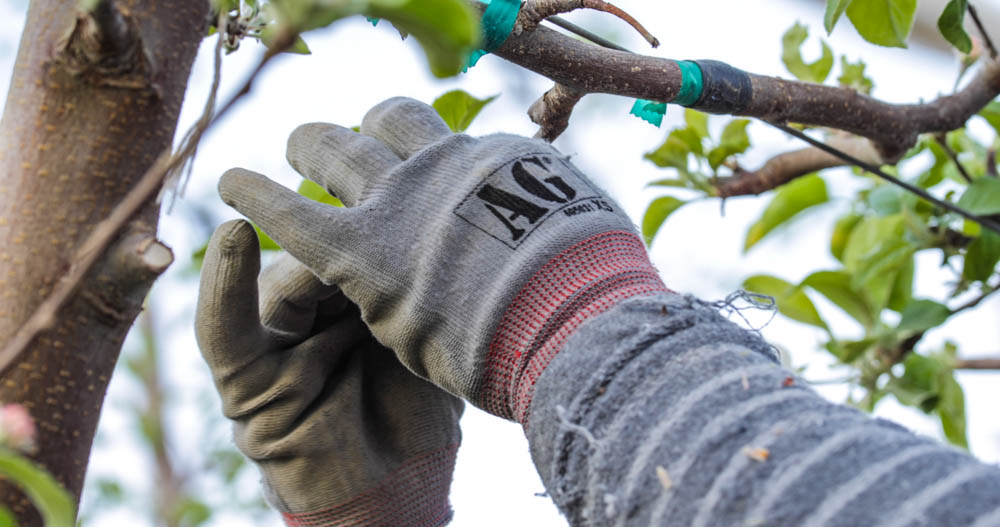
[{"x": 94, "y": 100}]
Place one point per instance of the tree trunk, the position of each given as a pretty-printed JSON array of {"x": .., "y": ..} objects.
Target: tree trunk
[{"x": 93, "y": 102}]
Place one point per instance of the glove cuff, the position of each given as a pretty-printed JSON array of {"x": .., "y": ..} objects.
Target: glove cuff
[
  {"x": 578, "y": 284},
  {"x": 414, "y": 495}
]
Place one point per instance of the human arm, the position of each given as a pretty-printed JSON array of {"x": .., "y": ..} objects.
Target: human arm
[{"x": 494, "y": 268}]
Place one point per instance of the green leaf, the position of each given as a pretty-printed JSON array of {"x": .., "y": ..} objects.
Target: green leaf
[
  {"x": 836, "y": 287},
  {"x": 657, "y": 213},
  {"x": 869, "y": 237},
  {"x": 852, "y": 75},
  {"x": 834, "y": 9},
  {"x": 951, "y": 409},
  {"x": 734, "y": 140},
  {"x": 850, "y": 351},
  {"x": 788, "y": 201},
  {"x": 982, "y": 197},
  {"x": 446, "y": 29},
  {"x": 886, "y": 200},
  {"x": 7, "y": 518},
  {"x": 268, "y": 34},
  {"x": 791, "y": 55},
  {"x": 458, "y": 109},
  {"x": 696, "y": 121},
  {"x": 841, "y": 233},
  {"x": 922, "y": 315},
  {"x": 692, "y": 139},
  {"x": 315, "y": 192},
  {"x": 917, "y": 386},
  {"x": 51, "y": 500},
  {"x": 874, "y": 256},
  {"x": 902, "y": 288},
  {"x": 952, "y": 25},
  {"x": 791, "y": 301},
  {"x": 672, "y": 153},
  {"x": 992, "y": 115},
  {"x": 982, "y": 256},
  {"x": 883, "y": 22}
]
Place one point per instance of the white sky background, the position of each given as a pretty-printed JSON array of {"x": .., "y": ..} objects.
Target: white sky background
[{"x": 355, "y": 66}]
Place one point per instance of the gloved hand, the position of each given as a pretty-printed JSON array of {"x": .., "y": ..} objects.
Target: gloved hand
[
  {"x": 473, "y": 259},
  {"x": 342, "y": 433}
]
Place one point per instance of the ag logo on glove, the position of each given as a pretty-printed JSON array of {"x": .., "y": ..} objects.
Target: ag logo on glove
[{"x": 518, "y": 197}]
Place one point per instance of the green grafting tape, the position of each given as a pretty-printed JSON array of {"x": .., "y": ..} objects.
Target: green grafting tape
[
  {"x": 650, "y": 111},
  {"x": 498, "y": 22},
  {"x": 692, "y": 83}
]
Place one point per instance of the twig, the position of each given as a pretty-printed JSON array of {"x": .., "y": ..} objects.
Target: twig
[
  {"x": 977, "y": 364},
  {"x": 991, "y": 163},
  {"x": 982, "y": 30},
  {"x": 985, "y": 222},
  {"x": 581, "y": 32},
  {"x": 552, "y": 111},
  {"x": 104, "y": 233},
  {"x": 536, "y": 11},
  {"x": 943, "y": 141}
]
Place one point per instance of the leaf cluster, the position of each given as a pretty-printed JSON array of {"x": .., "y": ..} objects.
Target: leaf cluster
[{"x": 875, "y": 243}]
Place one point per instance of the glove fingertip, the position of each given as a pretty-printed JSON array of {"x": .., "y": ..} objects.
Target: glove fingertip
[{"x": 234, "y": 236}]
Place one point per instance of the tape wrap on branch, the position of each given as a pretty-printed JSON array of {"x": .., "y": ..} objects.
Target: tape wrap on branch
[
  {"x": 726, "y": 89},
  {"x": 497, "y": 23}
]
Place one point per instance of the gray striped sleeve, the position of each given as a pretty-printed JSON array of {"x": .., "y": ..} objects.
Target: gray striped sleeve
[{"x": 662, "y": 412}]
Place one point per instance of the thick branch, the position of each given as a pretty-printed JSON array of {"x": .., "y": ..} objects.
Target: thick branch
[
  {"x": 893, "y": 128},
  {"x": 785, "y": 167}
]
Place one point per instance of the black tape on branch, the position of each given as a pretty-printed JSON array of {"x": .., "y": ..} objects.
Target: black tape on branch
[{"x": 726, "y": 89}]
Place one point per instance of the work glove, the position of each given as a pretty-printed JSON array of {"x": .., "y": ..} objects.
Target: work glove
[
  {"x": 474, "y": 259},
  {"x": 342, "y": 433}
]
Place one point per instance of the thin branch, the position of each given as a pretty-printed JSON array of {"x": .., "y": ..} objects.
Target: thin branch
[
  {"x": 535, "y": 11},
  {"x": 943, "y": 141},
  {"x": 788, "y": 166},
  {"x": 978, "y": 364},
  {"x": 913, "y": 189},
  {"x": 552, "y": 111},
  {"x": 982, "y": 30},
  {"x": 106, "y": 231},
  {"x": 991, "y": 163},
  {"x": 581, "y": 32}
]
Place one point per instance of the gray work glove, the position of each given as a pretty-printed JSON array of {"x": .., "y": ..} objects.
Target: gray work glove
[
  {"x": 342, "y": 433},
  {"x": 473, "y": 259}
]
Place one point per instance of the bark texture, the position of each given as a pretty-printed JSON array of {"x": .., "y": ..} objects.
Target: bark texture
[{"x": 94, "y": 100}]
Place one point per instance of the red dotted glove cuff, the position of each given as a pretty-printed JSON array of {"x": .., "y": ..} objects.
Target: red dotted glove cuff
[{"x": 582, "y": 282}]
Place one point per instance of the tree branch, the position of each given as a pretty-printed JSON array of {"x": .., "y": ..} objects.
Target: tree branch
[
  {"x": 790, "y": 165},
  {"x": 893, "y": 128},
  {"x": 978, "y": 364},
  {"x": 107, "y": 230},
  {"x": 982, "y": 31}
]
